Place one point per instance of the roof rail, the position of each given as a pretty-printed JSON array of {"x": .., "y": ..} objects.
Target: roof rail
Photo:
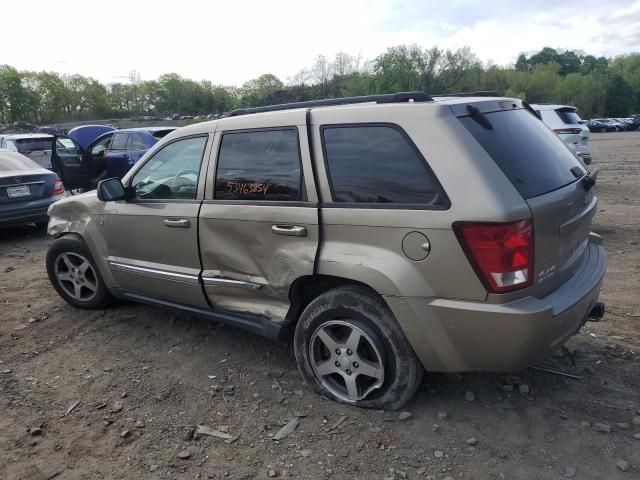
[
  {"x": 479, "y": 93},
  {"x": 385, "y": 98}
]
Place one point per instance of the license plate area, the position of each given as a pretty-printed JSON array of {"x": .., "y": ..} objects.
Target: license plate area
[{"x": 19, "y": 191}]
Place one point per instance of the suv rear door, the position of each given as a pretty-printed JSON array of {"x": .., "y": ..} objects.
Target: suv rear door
[
  {"x": 549, "y": 178},
  {"x": 259, "y": 221}
]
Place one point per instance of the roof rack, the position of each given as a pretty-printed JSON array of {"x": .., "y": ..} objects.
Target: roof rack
[
  {"x": 385, "y": 98},
  {"x": 479, "y": 93}
]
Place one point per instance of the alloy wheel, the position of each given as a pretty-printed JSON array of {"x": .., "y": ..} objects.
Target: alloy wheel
[
  {"x": 347, "y": 359},
  {"x": 76, "y": 276}
]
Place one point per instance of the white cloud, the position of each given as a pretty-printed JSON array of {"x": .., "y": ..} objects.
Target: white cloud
[
  {"x": 231, "y": 42},
  {"x": 624, "y": 14}
]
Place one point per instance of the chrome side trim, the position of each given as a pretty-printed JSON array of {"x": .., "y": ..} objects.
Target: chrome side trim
[
  {"x": 152, "y": 272},
  {"x": 227, "y": 282}
]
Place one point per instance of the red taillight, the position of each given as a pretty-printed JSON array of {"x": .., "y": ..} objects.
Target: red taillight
[
  {"x": 58, "y": 188},
  {"x": 501, "y": 253},
  {"x": 568, "y": 131}
]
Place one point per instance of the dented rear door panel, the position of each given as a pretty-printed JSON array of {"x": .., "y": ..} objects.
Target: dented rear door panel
[{"x": 248, "y": 262}]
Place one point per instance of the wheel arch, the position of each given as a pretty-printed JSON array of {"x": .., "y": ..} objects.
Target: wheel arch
[{"x": 308, "y": 287}]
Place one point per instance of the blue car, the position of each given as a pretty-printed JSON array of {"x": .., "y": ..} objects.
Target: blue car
[
  {"x": 127, "y": 146},
  {"x": 96, "y": 152}
]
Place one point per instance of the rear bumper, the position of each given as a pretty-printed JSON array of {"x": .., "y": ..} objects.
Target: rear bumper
[
  {"x": 454, "y": 335},
  {"x": 25, "y": 212}
]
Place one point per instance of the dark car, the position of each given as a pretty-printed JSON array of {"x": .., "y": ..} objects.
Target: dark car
[
  {"x": 26, "y": 190},
  {"x": 600, "y": 125},
  {"x": 110, "y": 154},
  {"x": 52, "y": 130}
]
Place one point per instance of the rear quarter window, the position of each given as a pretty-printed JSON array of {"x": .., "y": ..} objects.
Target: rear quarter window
[
  {"x": 378, "y": 164},
  {"x": 532, "y": 157}
]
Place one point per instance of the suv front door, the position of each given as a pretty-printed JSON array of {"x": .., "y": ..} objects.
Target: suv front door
[
  {"x": 152, "y": 238},
  {"x": 259, "y": 223}
]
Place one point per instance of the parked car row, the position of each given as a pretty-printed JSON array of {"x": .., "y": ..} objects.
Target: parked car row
[
  {"x": 614, "y": 124},
  {"x": 104, "y": 152},
  {"x": 24, "y": 127},
  {"x": 174, "y": 116},
  {"x": 77, "y": 161}
]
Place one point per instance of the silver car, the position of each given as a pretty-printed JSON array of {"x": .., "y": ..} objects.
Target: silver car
[{"x": 383, "y": 235}]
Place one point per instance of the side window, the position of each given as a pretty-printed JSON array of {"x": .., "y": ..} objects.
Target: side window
[
  {"x": 98, "y": 149},
  {"x": 172, "y": 172},
  {"x": 137, "y": 142},
  {"x": 377, "y": 164},
  {"x": 259, "y": 165},
  {"x": 119, "y": 141}
]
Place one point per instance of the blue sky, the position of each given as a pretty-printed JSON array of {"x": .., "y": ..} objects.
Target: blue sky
[{"x": 229, "y": 42}]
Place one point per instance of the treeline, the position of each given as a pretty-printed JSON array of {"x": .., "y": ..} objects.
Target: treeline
[{"x": 598, "y": 86}]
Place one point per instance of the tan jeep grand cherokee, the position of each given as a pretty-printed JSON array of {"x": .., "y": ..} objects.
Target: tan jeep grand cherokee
[{"x": 392, "y": 233}]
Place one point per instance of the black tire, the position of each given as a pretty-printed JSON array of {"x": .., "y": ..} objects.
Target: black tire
[
  {"x": 366, "y": 312},
  {"x": 74, "y": 245}
]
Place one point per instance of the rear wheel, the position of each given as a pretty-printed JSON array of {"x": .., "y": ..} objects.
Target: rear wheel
[
  {"x": 349, "y": 347},
  {"x": 74, "y": 275}
]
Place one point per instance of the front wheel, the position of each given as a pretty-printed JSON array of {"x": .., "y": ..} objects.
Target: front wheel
[
  {"x": 349, "y": 347},
  {"x": 74, "y": 275}
]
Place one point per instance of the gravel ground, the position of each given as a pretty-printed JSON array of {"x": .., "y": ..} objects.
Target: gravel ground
[{"x": 118, "y": 393}]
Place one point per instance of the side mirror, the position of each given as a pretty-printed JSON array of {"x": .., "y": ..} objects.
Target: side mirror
[{"x": 111, "y": 189}]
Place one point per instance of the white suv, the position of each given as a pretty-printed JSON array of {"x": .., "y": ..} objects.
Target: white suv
[
  {"x": 567, "y": 124},
  {"x": 36, "y": 146}
]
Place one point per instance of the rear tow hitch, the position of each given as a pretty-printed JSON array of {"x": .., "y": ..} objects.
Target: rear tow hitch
[{"x": 596, "y": 313}]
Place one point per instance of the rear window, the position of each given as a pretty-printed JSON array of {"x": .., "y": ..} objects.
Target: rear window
[
  {"x": 568, "y": 116},
  {"x": 34, "y": 144},
  {"x": 532, "y": 157},
  {"x": 119, "y": 141},
  {"x": 137, "y": 142},
  {"x": 259, "y": 165}
]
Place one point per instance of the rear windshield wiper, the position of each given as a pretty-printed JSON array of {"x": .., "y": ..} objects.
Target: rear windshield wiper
[{"x": 479, "y": 117}]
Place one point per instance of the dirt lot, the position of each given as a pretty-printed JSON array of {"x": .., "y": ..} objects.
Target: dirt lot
[{"x": 144, "y": 378}]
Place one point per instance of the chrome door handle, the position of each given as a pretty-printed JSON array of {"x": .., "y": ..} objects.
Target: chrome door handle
[
  {"x": 177, "y": 223},
  {"x": 291, "y": 230}
]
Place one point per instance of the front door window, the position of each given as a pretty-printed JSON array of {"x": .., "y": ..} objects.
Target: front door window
[{"x": 172, "y": 172}]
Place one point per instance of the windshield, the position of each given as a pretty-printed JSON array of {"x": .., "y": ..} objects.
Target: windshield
[{"x": 530, "y": 155}]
